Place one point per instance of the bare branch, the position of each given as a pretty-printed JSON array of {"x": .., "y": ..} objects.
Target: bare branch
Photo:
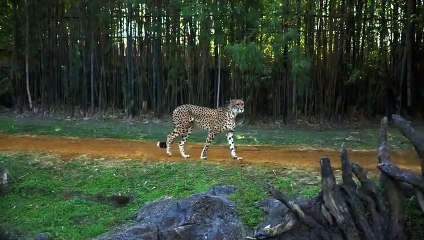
[
  {"x": 267, "y": 232},
  {"x": 396, "y": 173},
  {"x": 346, "y": 168},
  {"x": 409, "y": 132},
  {"x": 277, "y": 194},
  {"x": 334, "y": 201}
]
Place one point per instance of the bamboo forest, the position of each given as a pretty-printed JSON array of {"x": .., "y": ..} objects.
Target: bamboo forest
[{"x": 287, "y": 59}]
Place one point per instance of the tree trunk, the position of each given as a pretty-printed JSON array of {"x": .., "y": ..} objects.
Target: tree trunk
[
  {"x": 27, "y": 56},
  {"x": 409, "y": 43},
  {"x": 129, "y": 103},
  {"x": 92, "y": 71},
  {"x": 219, "y": 78}
]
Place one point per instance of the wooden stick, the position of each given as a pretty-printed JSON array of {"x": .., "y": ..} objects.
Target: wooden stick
[
  {"x": 409, "y": 132},
  {"x": 280, "y": 196},
  {"x": 396, "y": 173},
  {"x": 346, "y": 168}
]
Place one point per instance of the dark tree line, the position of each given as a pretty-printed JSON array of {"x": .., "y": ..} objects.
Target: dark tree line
[{"x": 324, "y": 59}]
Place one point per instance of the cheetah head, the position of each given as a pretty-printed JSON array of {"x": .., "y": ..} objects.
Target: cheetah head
[{"x": 237, "y": 106}]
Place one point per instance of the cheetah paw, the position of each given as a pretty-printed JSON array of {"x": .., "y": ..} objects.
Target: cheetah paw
[
  {"x": 238, "y": 158},
  {"x": 186, "y": 156},
  {"x": 203, "y": 157}
]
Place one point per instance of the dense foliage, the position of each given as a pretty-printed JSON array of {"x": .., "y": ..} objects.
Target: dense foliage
[{"x": 322, "y": 58}]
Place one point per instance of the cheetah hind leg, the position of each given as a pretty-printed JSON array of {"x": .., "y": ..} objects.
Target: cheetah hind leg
[
  {"x": 182, "y": 142},
  {"x": 171, "y": 137},
  {"x": 209, "y": 140}
]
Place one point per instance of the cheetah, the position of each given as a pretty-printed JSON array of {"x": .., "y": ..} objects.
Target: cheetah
[{"x": 215, "y": 121}]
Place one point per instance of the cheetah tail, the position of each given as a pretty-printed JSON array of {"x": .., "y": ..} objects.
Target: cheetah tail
[{"x": 161, "y": 144}]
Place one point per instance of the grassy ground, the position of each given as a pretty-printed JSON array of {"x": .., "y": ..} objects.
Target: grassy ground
[
  {"x": 38, "y": 201},
  {"x": 356, "y": 137}
]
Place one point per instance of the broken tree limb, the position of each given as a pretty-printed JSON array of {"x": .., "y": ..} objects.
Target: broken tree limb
[
  {"x": 353, "y": 197},
  {"x": 396, "y": 224},
  {"x": 367, "y": 185},
  {"x": 280, "y": 196},
  {"x": 331, "y": 195},
  {"x": 298, "y": 212},
  {"x": 351, "y": 209},
  {"x": 335, "y": 203},
  {"x": 346, "y": 168},
  {"x": 358, "y": 212},
  {"x": 375, "y": 204},
  {"x": 396, "y": 221},
  {"x": 377, "y": 216},
  {"x": 288, "y": 223},
  {"x": 409, "y": 132},
  {"x": 396, "y": 173}
]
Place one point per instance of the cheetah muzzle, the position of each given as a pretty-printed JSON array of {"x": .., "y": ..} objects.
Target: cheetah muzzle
[{"x": 215, "y": 121}]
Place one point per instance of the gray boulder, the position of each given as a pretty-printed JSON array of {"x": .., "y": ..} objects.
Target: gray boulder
[
  {"x": 132, "y": 232},
  {"x": 207, "y": 215}
]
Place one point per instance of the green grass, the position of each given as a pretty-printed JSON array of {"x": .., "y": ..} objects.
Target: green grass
[
  {"x": 364, "y": 137},
  {"x": 36, "y": 201},
  {"x": 414, "y": 218}
]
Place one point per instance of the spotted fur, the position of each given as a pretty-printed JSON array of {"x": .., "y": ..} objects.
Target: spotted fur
[{"x": 215, "y": 121}]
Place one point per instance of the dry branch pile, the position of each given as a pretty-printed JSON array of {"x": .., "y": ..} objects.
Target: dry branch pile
[{"x": 354, "y": 209}]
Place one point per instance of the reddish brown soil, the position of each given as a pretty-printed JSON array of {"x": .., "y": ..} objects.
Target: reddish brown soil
[{"x": 143, "y": 150}]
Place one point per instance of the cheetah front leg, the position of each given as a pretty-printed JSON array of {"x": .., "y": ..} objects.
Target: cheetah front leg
[
  {"x": 230, "y": 139},
  {"x": 209, "y": 140},
  {"x": 182, "y": 142}
]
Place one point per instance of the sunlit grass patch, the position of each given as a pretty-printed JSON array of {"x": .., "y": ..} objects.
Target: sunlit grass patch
[{"x": 39, "y": 201}]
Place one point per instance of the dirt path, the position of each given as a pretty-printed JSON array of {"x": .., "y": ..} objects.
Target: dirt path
[{"x": 263, "y": 155}]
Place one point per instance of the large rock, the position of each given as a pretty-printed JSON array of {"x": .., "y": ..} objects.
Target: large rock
[
  {"x": 132, "y": 232},
  {"x": 207, "y": 215}
]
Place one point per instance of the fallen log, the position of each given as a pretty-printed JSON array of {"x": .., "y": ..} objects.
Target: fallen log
[{"x": 352, "y": 209}]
